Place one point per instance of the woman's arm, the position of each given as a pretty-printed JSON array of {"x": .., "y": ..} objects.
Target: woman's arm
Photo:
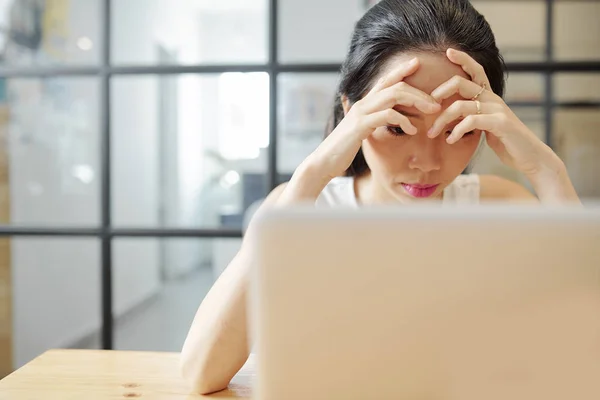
[
  {"x": 551, "y": 182},
  {"x": 513, "y": 142},
  {"x": 494, "y": 188},
  {"x": 551, "y": 187},
  {"x": 217, "y": 344}
]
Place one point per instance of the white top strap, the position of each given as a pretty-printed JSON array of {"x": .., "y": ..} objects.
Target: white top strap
[{"x": 340, "y": 192}]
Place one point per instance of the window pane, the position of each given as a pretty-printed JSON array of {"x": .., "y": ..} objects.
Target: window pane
[
  {"x": 56, "y": 295},
  {"x": 49, "y": 130},
  {"x": 519, "y": 27},
  {"x": 188, "y": 150},
  {"x": 575, "y": 131},
  {"x": 50, "y": 32},
  {"x": 580, "y": 87},
  {"x": 159, "y": 284},
  {"x": 524, "y": 87},
  {"x": 576, "y": 30},
  {"x": 578, "y": 144},
  {"x": 486, "y": 162},
  {"x": 189, "y": 31},
  {"x": 305, "y": 105},
  {"x": 316, "y": 31}
]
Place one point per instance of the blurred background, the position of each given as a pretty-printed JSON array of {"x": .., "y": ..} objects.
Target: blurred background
[{"x": 134, "y": 135}]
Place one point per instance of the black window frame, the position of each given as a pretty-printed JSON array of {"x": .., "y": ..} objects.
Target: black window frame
[{"x": 105, "y": 232}]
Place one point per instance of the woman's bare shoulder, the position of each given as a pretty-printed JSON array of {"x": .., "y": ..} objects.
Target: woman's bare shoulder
[{"x": 493, "y": 187}]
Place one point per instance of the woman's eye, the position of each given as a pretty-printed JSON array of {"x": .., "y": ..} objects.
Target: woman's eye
[{"x": 395, "y": 130}]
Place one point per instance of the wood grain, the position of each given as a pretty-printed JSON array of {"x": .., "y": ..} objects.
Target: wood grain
[{"x": 103, "y": 374}]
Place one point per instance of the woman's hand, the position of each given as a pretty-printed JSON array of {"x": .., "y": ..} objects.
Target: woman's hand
[
  {"x": 512, "y": 141},
  {"x": 335, "y": 154}
]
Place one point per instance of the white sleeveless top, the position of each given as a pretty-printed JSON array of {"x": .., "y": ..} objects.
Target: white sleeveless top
[{"x": 340, "y": 192}]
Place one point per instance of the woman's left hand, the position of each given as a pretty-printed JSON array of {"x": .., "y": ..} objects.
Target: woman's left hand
[{"x": 512, "y": 141}]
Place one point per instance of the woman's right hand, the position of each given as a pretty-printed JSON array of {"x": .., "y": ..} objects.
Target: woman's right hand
[{"x": 335, "y": 154}]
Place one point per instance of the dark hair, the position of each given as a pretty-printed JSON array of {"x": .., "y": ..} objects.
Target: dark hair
[{"x": 395, "y": 26}]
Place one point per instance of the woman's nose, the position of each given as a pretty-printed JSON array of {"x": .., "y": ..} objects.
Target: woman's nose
[{"x": 426, "y": 153}]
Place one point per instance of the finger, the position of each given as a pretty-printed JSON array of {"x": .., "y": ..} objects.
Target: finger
[
  {"x": 483, "y": 122},
  {"x": 425, "y": 102},
  {"x": 457, "y": 110},
  {"x": 396, "y": 75},
  {"x": 493, "y": 141},
  {"x": 469, "y": 65},
  {"x": 461, "y": 86},
  {"x": 401, "y": 94},
  {"x": 390, "y": 117}
]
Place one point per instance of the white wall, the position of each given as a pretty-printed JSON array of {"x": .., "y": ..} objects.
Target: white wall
[{"x": 56, "y": 293}]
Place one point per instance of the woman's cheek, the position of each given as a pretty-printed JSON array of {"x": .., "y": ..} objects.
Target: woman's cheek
[
  {"x": 382, "y": 141},
  {"x": 384, "y": 151},
  {"x": 464, "y": 149}
]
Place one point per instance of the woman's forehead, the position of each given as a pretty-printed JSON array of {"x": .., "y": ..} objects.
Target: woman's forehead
[{"x": 434, "y": 69}]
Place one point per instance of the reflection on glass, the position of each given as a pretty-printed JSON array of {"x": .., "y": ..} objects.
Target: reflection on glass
[
  {"x": 330, "y": 24},
  {"x": 49, "y": 131},
  {"x": 576, "y": 30},
  {"x": 159, "y": 284},
  {"x": 42, "y": 32},
  {"x": 189, "y": 31},
  {"x": 578, "y": 144},
  {"x": 55, "y": 295},
  {"x": 305, "y": 105},
  {"x": 519, "y": 27},
  {"x": 579, "y": 87},
  {"x": 486, "y": 162},
  {"x": 188, "y": 150}
]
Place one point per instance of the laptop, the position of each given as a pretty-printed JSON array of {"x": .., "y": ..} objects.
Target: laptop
[{"x": 427, "y": 303}]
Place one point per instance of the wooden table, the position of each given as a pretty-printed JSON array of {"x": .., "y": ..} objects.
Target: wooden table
[{"x": 100, "y": 374}]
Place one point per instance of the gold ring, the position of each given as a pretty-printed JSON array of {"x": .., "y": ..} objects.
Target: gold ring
[
  {"x": 479, "y": 94},
  {"x": 478, "y": 105}
]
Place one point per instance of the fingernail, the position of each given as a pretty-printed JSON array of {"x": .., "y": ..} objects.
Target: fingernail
[{"x": 430, "y": 132}]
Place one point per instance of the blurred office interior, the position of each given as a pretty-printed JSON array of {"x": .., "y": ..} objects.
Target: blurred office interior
[{"x": 135, "y": 134}]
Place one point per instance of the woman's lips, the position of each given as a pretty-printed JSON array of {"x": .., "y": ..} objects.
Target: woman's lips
[{"x": 420, "y": 191}]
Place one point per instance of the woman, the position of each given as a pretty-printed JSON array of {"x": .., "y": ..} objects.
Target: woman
[{"x": 422, "y": 83}]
